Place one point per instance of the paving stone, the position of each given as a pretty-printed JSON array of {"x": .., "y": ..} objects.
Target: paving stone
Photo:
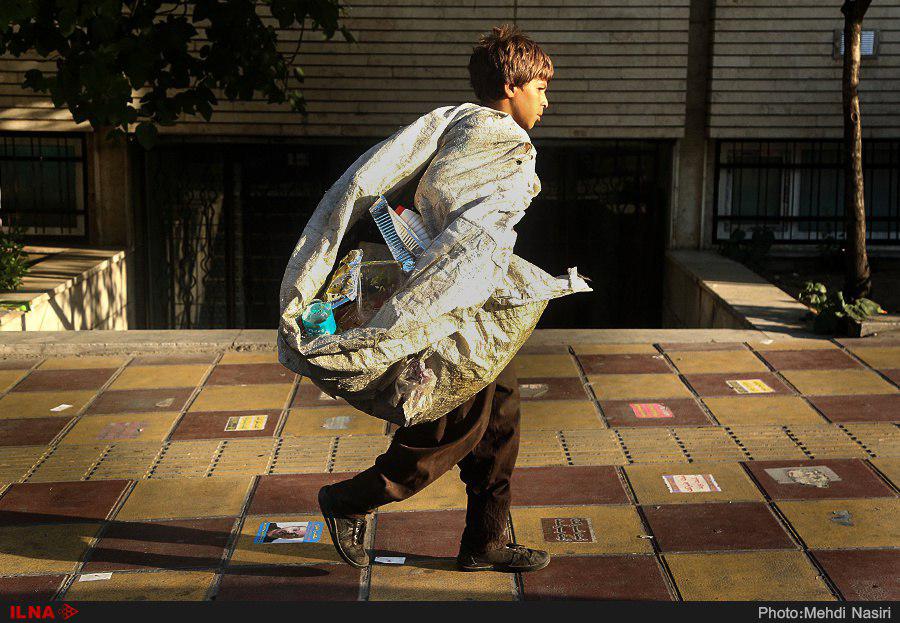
[
  {"x": 358, "y": 452},
  {"x": 552, "y": 388},
  {"x": 324, "y": 582},
  {"x": 173, "y": 359},
  {"x": 295, "y": 455},
  {"x": 30, "y": 588},
  {"x": 710, "y": 527},
  {"x": 17, "y": 405},
  {"x": 126, "y": 461},
  {"x": 653, "y": 445},
  {"x": 879, "y": 357},
  {"x": 597, "y": 577},
  {"x": 762, "y": 410},
  {"x": 581, "y": 530},
  {"x": 541, "y": 447},
  {"x": 559, "y": 414},
  {"x": 186, "y": 459},
  {"x": 747, "y": 576},
  {"x": 767, "y": 442},
  {"x": 234, "y": 357},
  {"x": 242, "y": 398},
  {"x": 190, "y": 497},
  {"x": 666, "y": 412},
  {"x": 637, "y": 386},
  {"x": 624, "y": 364},
  {"x": 834, "y": 382},
  {"x": 8, "y": 378},
  {"x": 244, "y": 424},
  {"x": 592, "y": 447},
  {"x": 152, "y": 377},
  {"x": 893, "y": 375},
  {"x": 614, "y": 349},
  {"x": 44, "y": 548},
  {"x": 140, "y": 401},
  {"x": 841, "y": 524},
  {"x": 82, "y": 363},
  {"x": 544, "y": 486},
  {"x": 447, "y": 492},
  {"x": 793, "y": 344},
  {"x": 716, "y": 361},
  {"x": 870, "y": 341},
  {"x": 17, "y": 364},
  {"x": 16, "y": 461},
  {"x": 243, "y": 457},
  {"x": 177, "y": 544},
  {"x": 650, "y": 486},
  {"x": 423, "y": 533},
  {"x": 872, "y": 408},
  {"x": 60, "y": 501},
  {"x": 826, "y": 441},
  {"x": 890, "y": 467},
  {"x": 290, "y": 493},
  {"x": 544, "y": 365},
  {"x": 708, "y": 443},
  {"x": 701, "y": 346},
  {"x": 246, "y": 552},
  {"x": 31, "y": 431},
  {"x": 308, "y": 395},
  {"x": 330, "y": 422},
  {"x": 250, "y": 374},
  {"x": 53, "y": 380},
  {"x": 544, "y": 349},
  {"x": 717, "y": 384},
  {"x": 863, "y": 575},
  {"x": 810, "y": 360},
  {"x": 131, "y": 428},
  {"x": 437, "y": 580},
  {"x": 68, "y": 462},
  {"x": 131, "y": 586},
  {"x": 880, "y": 439}
]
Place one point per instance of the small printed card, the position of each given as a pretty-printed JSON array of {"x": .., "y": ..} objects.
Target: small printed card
[
  {"x": 750, "y": 386},
  {"x": 391, "y": 560},
  {"x": 338, "y": 422},
  {"x": 650, "y": 410},
  {"x": 93, "y": 577},
  {"x": 61, "y": 407},
  {"x": 121, "y": 430},
  {"x": 246, "y": 422},
  {"x": 567, "y": 530},
  {"x": 691, "y": 483},
  {"x": 289, "y": 532}
]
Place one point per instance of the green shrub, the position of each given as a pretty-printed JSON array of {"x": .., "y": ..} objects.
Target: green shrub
[
  {"x": 14, "y": 265},
  {"x": 831, "y": 312}
]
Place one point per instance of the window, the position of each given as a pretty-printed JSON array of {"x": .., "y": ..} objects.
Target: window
[
  {"x": 42, "y": 185},
  {"x": 868, "y": 43},
  {"x": 796, "y": 189}
]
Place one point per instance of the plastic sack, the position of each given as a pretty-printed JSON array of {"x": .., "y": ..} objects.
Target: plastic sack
[{"x": 468, "y": 305}]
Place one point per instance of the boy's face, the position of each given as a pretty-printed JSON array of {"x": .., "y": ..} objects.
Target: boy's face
[{"x": 527, "y": 103}]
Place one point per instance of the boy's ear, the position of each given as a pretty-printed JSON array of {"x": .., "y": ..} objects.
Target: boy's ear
[{"x": 509, "y": 90}]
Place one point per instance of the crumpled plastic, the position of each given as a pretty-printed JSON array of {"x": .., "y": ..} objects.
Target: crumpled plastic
[{"x": 468, "y": 305}]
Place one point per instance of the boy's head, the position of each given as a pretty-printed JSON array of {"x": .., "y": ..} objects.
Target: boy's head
[{"x": 510, "y": 72}]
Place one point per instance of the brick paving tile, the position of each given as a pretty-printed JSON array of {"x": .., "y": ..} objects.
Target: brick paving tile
[
  {"x": 863, "y": 575},
  {"x": 51, "y": 502},
  {"x": 597, "y": 577}
]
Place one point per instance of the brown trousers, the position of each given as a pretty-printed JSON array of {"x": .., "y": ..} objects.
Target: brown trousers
[{"x": 481, "y": 436}]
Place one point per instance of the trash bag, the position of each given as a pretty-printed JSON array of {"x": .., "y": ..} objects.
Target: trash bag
[{"x": 468, "y": 305}]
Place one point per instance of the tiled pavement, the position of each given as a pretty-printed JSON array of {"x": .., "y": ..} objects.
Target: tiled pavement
[{"x": 695, "y": 471}]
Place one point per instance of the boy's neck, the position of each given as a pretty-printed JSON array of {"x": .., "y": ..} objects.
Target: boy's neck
[{"x": 501, "y": 105}]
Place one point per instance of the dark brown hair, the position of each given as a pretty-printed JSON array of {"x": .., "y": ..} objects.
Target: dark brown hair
[{"x": 506, "y": 56}]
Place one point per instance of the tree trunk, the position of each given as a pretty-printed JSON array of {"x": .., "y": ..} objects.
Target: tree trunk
[{"x": 857, "y": 281}]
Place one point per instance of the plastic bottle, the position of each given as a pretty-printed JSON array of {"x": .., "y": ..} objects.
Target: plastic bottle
[
  {"x": 415, "y": 223},
  {"x": 318, "y": 319}
]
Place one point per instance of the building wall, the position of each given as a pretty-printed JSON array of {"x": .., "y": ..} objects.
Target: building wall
[
  {"x": 620, "y": 71},
  {"x": 775, "y": 75}
]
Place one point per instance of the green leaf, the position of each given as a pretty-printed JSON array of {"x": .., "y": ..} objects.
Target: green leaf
[{"x": 146, "y": 134}]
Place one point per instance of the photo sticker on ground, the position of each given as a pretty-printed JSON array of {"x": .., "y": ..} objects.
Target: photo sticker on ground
[
  {"x": 271, "y": 532},
  {"x": 650, "y": 410},
  {"x": 338, "y": 422},
  {"x": 121, "y": 430},
  {"x": 809, "y": 475},
  {"x": 246, "y": 422},
  {"x": 533, "y": 390},
  {"x": 750, "y": 386},
  {"x": 567, "y": 530},
  {"x": 691, "y": 483}
]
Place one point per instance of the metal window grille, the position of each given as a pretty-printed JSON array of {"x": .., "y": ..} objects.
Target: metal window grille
[
  {"x": 796, "y": 189},
  {"x": 43, "y": 185},
  {"x": 868, "y": 43}
]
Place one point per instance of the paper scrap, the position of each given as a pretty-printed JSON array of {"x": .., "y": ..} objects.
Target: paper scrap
[
  {"x": 533, "y": 390},
  {"x": 843, "y": 518},
  {"x": 808, "y": 475},
  {"x": 246, "y": 422},
  {"x": 324, "y": 396},
  {"x": 338, "y": 422},
  {"x": 650, "y": 410},
  {"x": 121, "y": 430},
  {"x": 165, "y": 403},
  {"x": 750, "y": 386},
  {"x": 93, "y": 577},
  {"x": 271, "y": 532},
  {"x": 61, "y": 407},
  {"x": 391, "y": 560},
  {"x": 691, "y": 483}
]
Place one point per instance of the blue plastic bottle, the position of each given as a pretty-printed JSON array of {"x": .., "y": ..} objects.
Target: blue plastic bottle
[{"x": 318, "y": 319}]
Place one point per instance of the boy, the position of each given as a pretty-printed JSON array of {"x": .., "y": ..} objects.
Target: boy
[{"x": 509, "y": 73}]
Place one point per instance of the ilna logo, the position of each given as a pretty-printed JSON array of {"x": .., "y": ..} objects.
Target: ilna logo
[{"x": 25, "y": 613}]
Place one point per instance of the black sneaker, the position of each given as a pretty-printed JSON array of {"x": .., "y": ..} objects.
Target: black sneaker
[
  {"x": 512, "y": 558},
  {"x": 347, "y": 533}
]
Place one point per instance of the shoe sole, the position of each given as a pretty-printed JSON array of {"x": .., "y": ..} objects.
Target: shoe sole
[
  {"x": 500, "y": 568},
  {"x": 332, "y": 529}
]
